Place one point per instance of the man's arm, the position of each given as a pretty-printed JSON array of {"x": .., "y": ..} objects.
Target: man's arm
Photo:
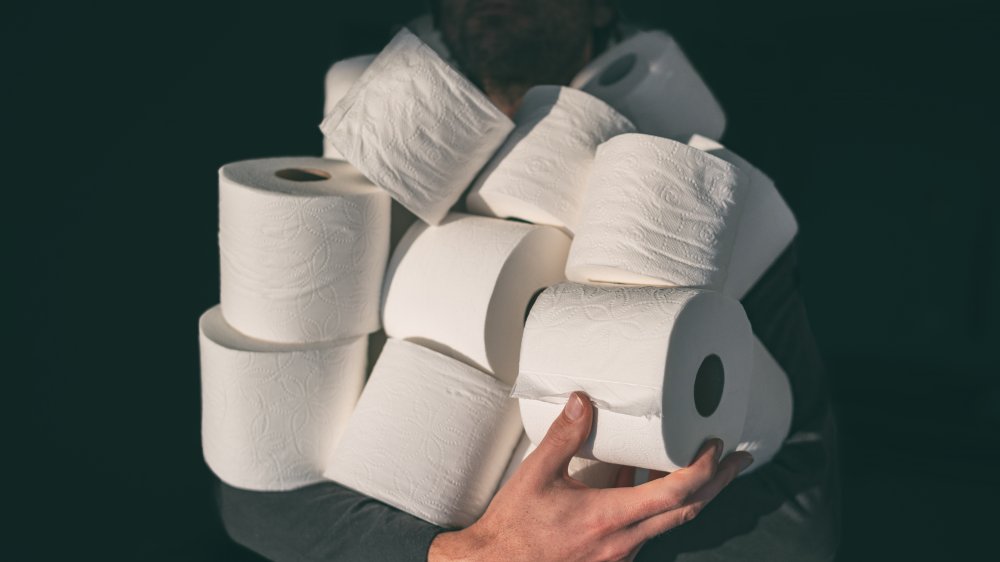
[
  {"x": 785, "y": 510},
  {"x": 323, "y": 522}
]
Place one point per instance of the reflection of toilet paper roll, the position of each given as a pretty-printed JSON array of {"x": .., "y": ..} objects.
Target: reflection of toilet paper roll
[
  {"x": 769, "y": 412},
  {"x": 272, "y": 413},
  {"x": 649, "y": 80},
  {"x": 463, "y": 288},
  {"x": 767, "y": 226},
  {"x": 665, "y": 368},
  {"x": 657, "y": 212},
  {"x": 540, "y": 173},
  {"x": 303, "y": 242},
  {"x": 595, "y": 474},
  {"x": 416, "y": 127},
  {"x": 430, "y": 435},
  {"x": 339, "y": 79}
]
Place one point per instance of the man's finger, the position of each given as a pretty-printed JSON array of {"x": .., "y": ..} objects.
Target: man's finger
[
  {"x": 564, "y": 438},
  {"x": 663, "y": 494},
  {"x": 729, "y": 469}
]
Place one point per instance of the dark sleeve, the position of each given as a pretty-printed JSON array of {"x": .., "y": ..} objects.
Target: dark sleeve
[
  {"x": 788, "y": 509},
  {"x": 325, "y": 522}
]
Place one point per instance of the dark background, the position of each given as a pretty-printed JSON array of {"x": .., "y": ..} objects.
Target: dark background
[{"x": 876, "y": 119}]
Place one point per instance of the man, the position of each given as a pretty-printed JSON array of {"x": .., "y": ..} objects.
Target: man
[{"x": 786, "y": 510}]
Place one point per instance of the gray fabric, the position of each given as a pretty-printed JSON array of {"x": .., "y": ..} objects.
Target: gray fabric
[
  {"x": 322, "y": 522},
  {"x": 786, "y": 510}
]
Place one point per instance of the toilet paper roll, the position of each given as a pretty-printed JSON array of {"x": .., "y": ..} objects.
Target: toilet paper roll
[
  {"x": 595, "y": 474},
  {"x": 657, "y": 212},
  {"x": 769, "y": 411},
  {"x": 430, "y": 436},
  {"x": 272, "y": 413},
  {"x": 665, "y": 368},
  {"x": 416, "y": 127},
  {"x": 304, "y": 243},
  {"x": 339, "y": 79},
  {"x": 767, "y": 226},
  {"x": 540, "y": 173},
  {"x": 463, "y": 288},
  {"x": 649, "y": 80}
]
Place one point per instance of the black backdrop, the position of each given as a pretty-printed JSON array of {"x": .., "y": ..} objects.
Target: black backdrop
[{"x": 876, "y": 119}]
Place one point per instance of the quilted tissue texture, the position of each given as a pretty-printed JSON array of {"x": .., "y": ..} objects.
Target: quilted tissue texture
[
  {"x": 271, "y": 413},
  {"x": 766, "y": 228},
  {"x": 540, "y": 173},
  {"x": 416, "y": 127},
  {"x": 640, "y": 353},
  {"x": 301, "y": 260},
  {"x": 430, "y": 435},
  {"x": 657, "y": 212}
]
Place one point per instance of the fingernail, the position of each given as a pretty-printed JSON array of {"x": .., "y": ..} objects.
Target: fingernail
[
  {"x": 719, "y": 447},
  {"x": 746, "y": 461},
  {"x": 574, "y": 408}
]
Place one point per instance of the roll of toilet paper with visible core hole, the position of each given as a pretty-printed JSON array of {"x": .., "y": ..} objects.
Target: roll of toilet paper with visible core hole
[
  {"x": 430, "y": 436},
  {"x": 463, "y": 288},
  {"x": 769, "y": 410},
  {"x": 665, "y": 368},
  {"x": 416, "y": 127},
  {"x": 303, "y": 244},
  {"x": 767, "y": 226},
  {"x": 339, "y": 79},
  {"x": 649, "y": 80},
  {"x": 657, "y": 212},
  {"x": 272, "y": 413},
  {"x": 595, "y": 474},
  {"x": 540, "y": 173}
]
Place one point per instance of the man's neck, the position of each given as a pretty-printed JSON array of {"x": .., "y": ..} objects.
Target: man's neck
[{"x": 505, "y": 96}]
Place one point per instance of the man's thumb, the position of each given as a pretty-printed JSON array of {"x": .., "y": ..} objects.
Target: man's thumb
[{"x": 565, "y": 435}]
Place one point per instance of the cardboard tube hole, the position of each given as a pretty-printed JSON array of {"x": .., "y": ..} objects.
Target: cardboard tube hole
[
  {"x": 302, "y": 174},
  {"x": 617, "y": 70},
  {"x": 708, "y": 385}
]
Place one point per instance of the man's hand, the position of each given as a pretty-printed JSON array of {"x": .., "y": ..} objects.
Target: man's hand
[{"x": 542, "y": 514}]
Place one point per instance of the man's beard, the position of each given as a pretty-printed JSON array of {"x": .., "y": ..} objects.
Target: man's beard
[{"x": 521, "y": 49}]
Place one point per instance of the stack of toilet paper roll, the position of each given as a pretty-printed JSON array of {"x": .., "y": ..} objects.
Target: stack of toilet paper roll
[
  {"x": 435, "y": 426},
  {"x": 303, "y": 245},
  {"x": 669, "y": 236},
  {"x": 662, "y": 347}
]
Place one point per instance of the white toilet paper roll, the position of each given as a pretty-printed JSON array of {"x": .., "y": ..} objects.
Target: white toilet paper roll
[
  {"x": 430, "y": 435},
  {"x": 463, "y": 288},
  {"x": 304, "y": 243},
  {"x": 767, "y": 226},
  {"x": 666, "y": 369},
  {"x": 595, "y": 474},
  {"x": 416, "y": 127},
  {"x": 339, "y": 79},
  {"x": 649, "y": 80},
  {"x": 657, "y": 212},
  {"x": 272, "y": 413},
  {"x": 769, "y": 411},
  {"x": 540, "y": 173}
]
